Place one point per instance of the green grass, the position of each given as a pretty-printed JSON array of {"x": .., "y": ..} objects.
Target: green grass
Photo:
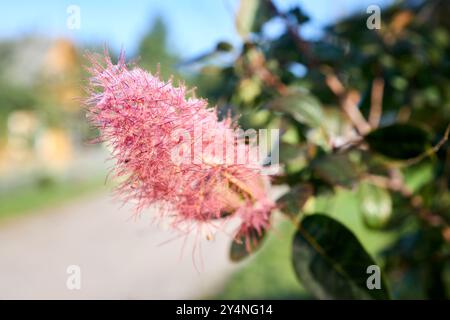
[
  {"x": 43, "y": 195},
  {"x": 269, "y": 274}
]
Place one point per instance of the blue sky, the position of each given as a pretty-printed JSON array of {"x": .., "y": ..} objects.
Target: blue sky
[{"x": 194, "y": 26}]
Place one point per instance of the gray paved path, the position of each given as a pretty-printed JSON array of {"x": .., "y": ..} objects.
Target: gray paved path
[{"x": 119, "y": 258}]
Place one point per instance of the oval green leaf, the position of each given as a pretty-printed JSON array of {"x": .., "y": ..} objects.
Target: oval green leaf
[
  {"x": 331, "y": 263},
  {"x": 293, "y": 201},
  {"x": 399, "y": 141},
  {"x": 303, "y": 107},
  {"x": 243, "y": 246},
  {"x": 336, "y": 169},
  {"x": 375, "y": 205}
]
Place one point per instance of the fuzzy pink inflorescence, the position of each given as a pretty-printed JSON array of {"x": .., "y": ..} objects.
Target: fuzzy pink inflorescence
[{"x": 141, "y": 118}]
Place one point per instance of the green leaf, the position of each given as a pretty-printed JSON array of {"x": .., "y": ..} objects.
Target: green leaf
[
  {"x": 330, "y": 261},
  {"x": 292, "y": 202},
  {"x": 224, "y": 46},
  {"x": 399, "y": 141},
  {"x": 251, "y": 16},
  {"x": 419, "y": 175},
  {"x": 375, "y": 205},
  {"x": 336, "y": 169},
  {"x": 243, "y": 246},
  {"x": 303, "y": 107},
  {"x": 299, "y": 15}
]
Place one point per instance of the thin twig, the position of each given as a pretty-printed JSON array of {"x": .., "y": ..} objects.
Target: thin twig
[
  {"x": 348, "y": 102},
  {"x": 376, "y": 106},
  {"x": 293, "y": 30},
  {"x": 258, "y": 67},
  {"x": 395, "y": 183},
  {"x": 430, "y": 151}
]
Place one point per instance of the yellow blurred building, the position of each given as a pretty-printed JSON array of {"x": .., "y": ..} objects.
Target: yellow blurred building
[{"x": 30, "y": 140}]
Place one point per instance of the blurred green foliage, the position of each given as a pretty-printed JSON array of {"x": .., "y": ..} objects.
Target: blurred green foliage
[{"x": 368, "y": 112}]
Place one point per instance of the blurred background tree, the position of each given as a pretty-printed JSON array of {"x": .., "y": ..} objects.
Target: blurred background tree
[{"x": 153, "y": 50}]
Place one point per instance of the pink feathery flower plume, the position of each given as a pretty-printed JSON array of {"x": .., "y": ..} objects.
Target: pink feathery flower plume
[{"x": 155, "y": 132}]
